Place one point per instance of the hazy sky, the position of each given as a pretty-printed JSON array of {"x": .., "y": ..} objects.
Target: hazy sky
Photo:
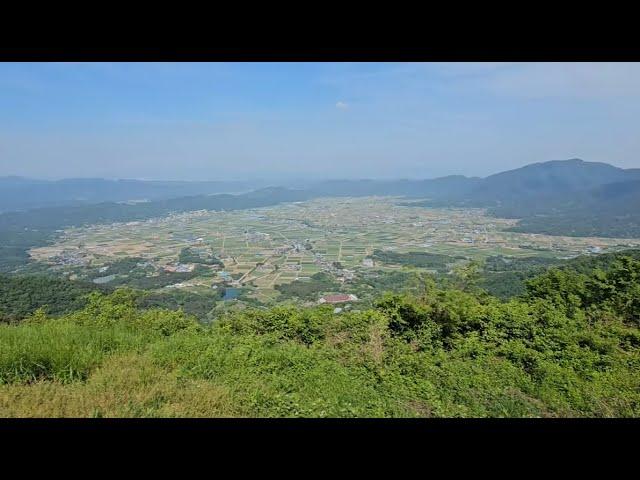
[{"x": 196, "y": 121}]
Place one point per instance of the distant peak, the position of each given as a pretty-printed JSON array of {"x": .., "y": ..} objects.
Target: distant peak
[{"x": 569, "y": 161}]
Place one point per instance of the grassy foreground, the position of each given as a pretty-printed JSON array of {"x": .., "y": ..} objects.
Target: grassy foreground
[{"x": 569, "y": 347}]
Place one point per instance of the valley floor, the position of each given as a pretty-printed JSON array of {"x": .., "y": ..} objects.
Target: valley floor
[{"x": 264, "y": 248}]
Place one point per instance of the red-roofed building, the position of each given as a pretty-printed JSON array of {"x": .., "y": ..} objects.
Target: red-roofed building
[{"x": 341, "y": 298}]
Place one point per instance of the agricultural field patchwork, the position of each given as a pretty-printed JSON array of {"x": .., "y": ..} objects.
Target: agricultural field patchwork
[{"x": 258, "y": 249}]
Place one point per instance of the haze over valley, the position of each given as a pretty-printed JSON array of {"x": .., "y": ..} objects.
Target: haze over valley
[{"x": 319, "y": 240}]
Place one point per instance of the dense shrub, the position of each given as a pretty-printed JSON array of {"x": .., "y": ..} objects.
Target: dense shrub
[{"x": 569, "y": 347}]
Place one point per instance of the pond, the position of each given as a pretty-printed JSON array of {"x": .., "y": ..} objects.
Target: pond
[{"x": 231, "y": 293}]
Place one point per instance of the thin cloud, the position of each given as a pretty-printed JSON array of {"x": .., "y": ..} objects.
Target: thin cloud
[
  {"x": 567, "y": 80},
  {"x": 342, "y": 105}
]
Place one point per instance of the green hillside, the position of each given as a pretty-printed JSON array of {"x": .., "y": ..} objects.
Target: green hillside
[{"x": 569, "y": 347}]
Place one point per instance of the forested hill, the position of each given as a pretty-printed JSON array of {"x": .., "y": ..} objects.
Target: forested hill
[
  {"x": 506, "y": 277},
  {"x": 551, "y": 185},
  {"x": 560, "y": 197},
  {"x": 554, "y": 179},
  {"x": 20, "y": 296},
  {"x": 557, "y": 180},
  {"x": 571, "y": 197}
]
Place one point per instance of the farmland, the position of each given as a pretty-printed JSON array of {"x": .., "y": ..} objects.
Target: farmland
[{"x": 261, "y": 248}]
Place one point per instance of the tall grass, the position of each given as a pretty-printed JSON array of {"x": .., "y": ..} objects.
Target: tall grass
[
  {"x": 68, "y": 349},
  {"x": 482, "y": 358},
  {"x": 58, "y": 350},
  {"x": 125, "y": 385},
  {"x": 269, "y": 378}
]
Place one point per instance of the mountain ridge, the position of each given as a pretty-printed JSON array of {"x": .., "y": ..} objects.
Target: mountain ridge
[{"x": 564, "y": 197}]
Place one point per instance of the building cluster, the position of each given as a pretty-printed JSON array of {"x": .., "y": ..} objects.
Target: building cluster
[
  {"x": 179, "y": 267},
  {"x": 257, "y": 237},
  {"x": 292, "y": 267},
  {"x": 295, "y": 247},
  {"x": 74, "y": 258}
]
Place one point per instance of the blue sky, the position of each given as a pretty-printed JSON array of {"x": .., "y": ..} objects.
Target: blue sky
[{"x": 195, "y": 121}]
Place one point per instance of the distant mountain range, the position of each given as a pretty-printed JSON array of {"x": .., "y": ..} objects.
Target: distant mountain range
[
  {"x": 554, "y": 178},
  {"x": 19, "y": 193},
  {"x": 569, "y": 197},
  {"x": 563, "y": 197}
]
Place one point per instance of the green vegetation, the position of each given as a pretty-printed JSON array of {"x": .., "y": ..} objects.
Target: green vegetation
[
  {"x": 15, "y": 243},
  {"x": 432, "y": 261},
  {"x": 572, "y": 197},
  {"x": 192, "y": 303},
  {"x": 22, "y": 296},
  {"x": 135, "y": 273},
  {"x": 121, "y": 267},
  {"x": 368, "y": 287},
  {"x": 188, "y": 255},
  {"x": 569, "y": 346},
  {"x": 506, "y": 277},
  {"x": 583, "y": 223},
  {"x": 308, "y": 289},
  {"x": 500, "y": 263}
]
